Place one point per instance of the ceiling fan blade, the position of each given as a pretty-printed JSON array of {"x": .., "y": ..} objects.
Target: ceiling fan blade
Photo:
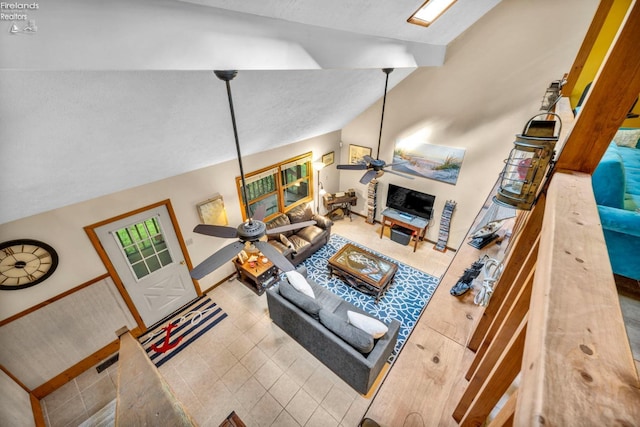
[
  {"x": 260, "y": 212},
  {"x": 290, "y": 227},
  {"x": 216, "y": 231},
  {"x": 356, "y": 167},
  {"x": 404, "y": 175},
  {"x": 274, "y": 255},
  {"x": 216, "y": 260},
  {"x": 367, "y": 158},
  {"x": 367, "y": 177}
]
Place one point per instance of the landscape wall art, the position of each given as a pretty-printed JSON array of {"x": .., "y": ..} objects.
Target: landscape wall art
[{"x": 429, "y": 161}]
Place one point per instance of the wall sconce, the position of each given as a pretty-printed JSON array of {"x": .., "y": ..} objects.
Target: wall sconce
[
  {"x": 318, "y": 165},
  {"x": 527, "y": 164}
]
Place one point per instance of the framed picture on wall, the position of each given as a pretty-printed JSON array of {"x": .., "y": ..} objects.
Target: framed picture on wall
[
  {"x": 328, "y": 158},
  {"x": 212, "y": 211},
  {"x": 425, "y": 160},
  {"x": 357, "y": 152}
]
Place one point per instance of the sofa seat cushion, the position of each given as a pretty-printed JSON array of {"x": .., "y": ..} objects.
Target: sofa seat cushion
[
  {"x": 299, "y": 245},
  {"x": 356, "y": 338},
  {"x": 304, "y": 302},
  {"x": 312, "y": 233},
  {"x": 280, "y": 247}
]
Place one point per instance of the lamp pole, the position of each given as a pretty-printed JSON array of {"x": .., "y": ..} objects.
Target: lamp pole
[{"x": 318, "y": 165}]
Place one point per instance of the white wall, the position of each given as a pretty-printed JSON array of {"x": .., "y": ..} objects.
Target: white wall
[
  {"x": 15, "y": 404},
  {"x": 63, "y": 228},
  {"x": 492, "y": 82}
]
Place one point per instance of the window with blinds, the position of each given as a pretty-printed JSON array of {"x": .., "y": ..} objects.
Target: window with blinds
[{"x": 279, "y": 187}]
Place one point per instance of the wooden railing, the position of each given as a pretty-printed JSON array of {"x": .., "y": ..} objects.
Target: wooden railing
[{"x": 558, "y": 326}]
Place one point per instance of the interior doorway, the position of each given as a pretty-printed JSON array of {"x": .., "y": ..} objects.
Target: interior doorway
[{"x": 146, "y": 257}]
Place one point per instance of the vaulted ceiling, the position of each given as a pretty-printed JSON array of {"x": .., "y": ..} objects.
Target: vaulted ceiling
[{"x": 103, "y": 84}]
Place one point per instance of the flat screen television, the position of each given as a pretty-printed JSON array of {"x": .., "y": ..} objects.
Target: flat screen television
[{"x": 410, "y": 201}]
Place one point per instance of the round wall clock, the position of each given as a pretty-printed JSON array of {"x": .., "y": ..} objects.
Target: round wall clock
[{"x": 25, "y": 262}]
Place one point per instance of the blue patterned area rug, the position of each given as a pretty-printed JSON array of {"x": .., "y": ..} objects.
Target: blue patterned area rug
[
  {"x": 404, "y": 300},
  {"x": 190, "y": 323}
]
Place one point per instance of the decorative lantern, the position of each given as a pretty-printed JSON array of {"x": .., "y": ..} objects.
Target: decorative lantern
[
  {"x": 551, "y": 95},
  {"x": 527, "y": 164}
]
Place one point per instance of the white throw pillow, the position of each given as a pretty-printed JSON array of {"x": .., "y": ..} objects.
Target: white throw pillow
[
  {"x": 368, "y": 324},
  {"x": 627, "y": 137},
  {"x": 299, "y": 282}
]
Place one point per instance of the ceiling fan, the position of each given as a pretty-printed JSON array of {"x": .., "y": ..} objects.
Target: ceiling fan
[
  {"x": 253, "y": 229},
  {"x": 375, "y": 168}
]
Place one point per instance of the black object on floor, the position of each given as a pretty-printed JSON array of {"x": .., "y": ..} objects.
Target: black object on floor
[
  {"x": 401, "y": 235},
  {"x": 464, "y": 283},
  {"x": 110, "y": 361}
]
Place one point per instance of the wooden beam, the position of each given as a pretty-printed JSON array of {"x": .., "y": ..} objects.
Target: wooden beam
[
  {"x": 577, "y": 368},
  {"x": 38, "y": 416},
  {"x": 587, "y": 45},
  {"x": 612, "y": 93},
  {"x": 143, "y": 397}
]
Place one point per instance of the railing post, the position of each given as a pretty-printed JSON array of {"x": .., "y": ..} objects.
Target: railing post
[{"x": 498, "y": 381}]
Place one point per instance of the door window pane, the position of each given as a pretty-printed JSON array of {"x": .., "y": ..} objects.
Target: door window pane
[{"x": 144, "y": 247}]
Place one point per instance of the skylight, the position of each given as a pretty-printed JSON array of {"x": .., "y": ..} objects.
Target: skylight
[{"x": 430, "y": 11}]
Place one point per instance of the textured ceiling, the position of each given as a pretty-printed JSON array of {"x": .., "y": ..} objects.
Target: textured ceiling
[
  {"x": 373, "y": 18},
  {"x": 103, "y": 83}
]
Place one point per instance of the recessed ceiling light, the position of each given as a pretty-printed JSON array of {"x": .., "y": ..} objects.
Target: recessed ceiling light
[{"x": 430, "y": 11}]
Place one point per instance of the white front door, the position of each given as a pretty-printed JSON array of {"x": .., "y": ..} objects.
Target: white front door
[{"x": 147, "y": 255}]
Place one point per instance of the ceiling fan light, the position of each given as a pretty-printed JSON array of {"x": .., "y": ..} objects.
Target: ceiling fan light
[{"x": 430, "y": 11}]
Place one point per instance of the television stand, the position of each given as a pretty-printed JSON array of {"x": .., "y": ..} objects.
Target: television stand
[
  {"x": 391, "y": 217},
  {"x": 406, "y": 216}
]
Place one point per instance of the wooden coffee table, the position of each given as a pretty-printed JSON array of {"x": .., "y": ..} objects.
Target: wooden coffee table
[{"x": 363, "y": 270}]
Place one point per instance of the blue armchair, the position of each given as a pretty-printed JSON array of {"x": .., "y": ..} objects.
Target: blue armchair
[{"x": 616, "y": 186}]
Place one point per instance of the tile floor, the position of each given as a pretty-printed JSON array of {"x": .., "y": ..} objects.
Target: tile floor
[{"x": 249, "y": 365}]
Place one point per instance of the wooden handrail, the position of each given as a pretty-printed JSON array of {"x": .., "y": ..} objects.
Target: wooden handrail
[
  {"x": 577, "y": 367},
  {"x": 143, "y": 397}
]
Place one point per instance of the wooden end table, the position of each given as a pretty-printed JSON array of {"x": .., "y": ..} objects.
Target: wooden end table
[
  {"x": 363, "y": 270},
  {"x": 259, "y": 276}
]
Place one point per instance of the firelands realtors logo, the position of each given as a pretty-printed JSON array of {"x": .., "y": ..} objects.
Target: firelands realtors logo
[{"x": 20, "y": 16}]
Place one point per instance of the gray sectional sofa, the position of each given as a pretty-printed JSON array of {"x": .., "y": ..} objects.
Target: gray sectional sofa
[{"x": 321, "y": 327}]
